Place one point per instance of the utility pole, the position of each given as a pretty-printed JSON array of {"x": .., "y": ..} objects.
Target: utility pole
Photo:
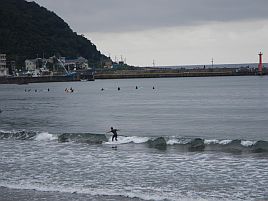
[{"x": 212, "y": 62}]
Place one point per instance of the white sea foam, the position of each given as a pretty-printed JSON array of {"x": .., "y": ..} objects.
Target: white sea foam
[
  {"x": 172, "y": 142},
  {"x": 157, "y": 195},
  {"x": 126, "y": 140},
  {"x": 211, "y": 141},
  {"x": 10, "y": 132},
  {"x": 224, "y": 142},
  {"x": 45, "y": 136},
  {"x": 175, "y": 141},
  {"x": 2, "y": 131},
  {"x": 247, "y": 143}
]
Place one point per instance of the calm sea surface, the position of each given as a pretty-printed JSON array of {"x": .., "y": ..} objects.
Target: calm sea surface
[{"x": 179, "y": 139}]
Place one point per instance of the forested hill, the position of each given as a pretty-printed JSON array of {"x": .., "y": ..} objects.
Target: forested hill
[{"x": 28, "y": 30}]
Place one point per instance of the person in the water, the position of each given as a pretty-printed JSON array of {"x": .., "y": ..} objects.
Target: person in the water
[{"x": 114, "y": 131}]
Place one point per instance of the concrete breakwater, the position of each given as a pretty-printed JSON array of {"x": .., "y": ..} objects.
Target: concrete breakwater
[
  {"x": 171, "y": 73},
  {"x": 160, "y": 75}
]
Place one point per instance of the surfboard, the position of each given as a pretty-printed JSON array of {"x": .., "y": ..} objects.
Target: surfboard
[{"x": 113, "y": 142}]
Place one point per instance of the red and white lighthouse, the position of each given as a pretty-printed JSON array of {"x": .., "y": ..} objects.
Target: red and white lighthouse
[{"x": 260, "y": 64}]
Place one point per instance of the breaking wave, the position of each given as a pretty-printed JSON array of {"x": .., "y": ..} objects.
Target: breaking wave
[
  {"x": 180, "y": 143},
  {"x": 27, "y": 135}
]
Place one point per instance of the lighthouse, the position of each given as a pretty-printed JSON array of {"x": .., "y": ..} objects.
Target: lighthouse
[{"x": 260, "y": 64}]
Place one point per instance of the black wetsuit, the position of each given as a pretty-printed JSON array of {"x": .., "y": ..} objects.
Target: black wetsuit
[{"x": 114, "y": 131}]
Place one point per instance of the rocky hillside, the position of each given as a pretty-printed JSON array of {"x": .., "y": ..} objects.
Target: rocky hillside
[{"x": 28, "y": 30}]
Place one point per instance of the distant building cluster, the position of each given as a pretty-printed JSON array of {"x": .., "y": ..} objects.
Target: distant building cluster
[
  {"x": 42, "y": 66},
  {"x": 108, "y": 63},
  {"x": 55, "y": 66},
  {"x": 72, "y": 64}
]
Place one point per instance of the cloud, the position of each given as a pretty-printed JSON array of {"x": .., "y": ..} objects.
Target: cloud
[
  {"x": 129, "y": 15},
  {"x": 226, "y": 42},
  {"x": 171, "y": 32}
]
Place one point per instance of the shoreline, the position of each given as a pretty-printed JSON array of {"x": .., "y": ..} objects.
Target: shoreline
[{"x": 12, "y": 194}]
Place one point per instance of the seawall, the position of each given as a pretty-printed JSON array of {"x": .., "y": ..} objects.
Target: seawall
[
  {"x": 166, "y": 74},
  {"x": 26, "y": 80}
]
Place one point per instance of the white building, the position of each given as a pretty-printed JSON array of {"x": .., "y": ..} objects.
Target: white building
[
  {"x": 30, "y": 64},
  {"x": 3, "y": 65},
  {"x": 34, "y": 66},
  {"x": 72, "y": 64}
]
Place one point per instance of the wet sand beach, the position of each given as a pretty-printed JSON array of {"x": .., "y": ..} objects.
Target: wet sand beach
[{"x": 8, "y": 194}]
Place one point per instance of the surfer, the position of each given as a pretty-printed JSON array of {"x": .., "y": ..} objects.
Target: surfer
[{"x": 114, "y": 131}]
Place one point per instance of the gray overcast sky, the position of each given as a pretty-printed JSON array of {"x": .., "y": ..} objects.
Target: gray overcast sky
[{"x": 171, "y": 32}]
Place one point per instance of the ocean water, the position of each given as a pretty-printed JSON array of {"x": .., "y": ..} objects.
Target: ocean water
[{"x": 179, "y": 139}]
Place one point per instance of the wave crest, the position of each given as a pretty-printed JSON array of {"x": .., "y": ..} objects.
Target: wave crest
[
  {"x": 18, "y": 135},
  {"x": 179, "y": 143},
  {"x": 89, "y": 138}
]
